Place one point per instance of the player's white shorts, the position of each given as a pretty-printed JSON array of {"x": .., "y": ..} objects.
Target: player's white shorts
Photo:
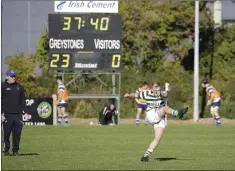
[
  {"x": 215, "y": 106},
  {"x": 153, "y": 118}
]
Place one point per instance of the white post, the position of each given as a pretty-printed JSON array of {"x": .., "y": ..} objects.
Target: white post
[
  {"x": 196, "y": 63},
  {"x": 54, "y": 97},
  {"x": 113, "y": 83},
  {"x": 217, "y": 13},
  {"x": 1, "y": 65},
  {"x": 167, "y": 88}
]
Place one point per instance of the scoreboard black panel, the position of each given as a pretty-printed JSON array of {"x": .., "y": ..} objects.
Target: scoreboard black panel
[
  {"x": 85, "y": 61},
  {"x": 85, "y": 41}
]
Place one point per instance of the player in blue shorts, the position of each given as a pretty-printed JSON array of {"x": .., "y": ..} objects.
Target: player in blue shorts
[{"x": 141, "y": 104}]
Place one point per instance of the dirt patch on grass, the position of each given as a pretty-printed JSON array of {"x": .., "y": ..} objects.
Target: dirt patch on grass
[{"x": 132, "y": 121}]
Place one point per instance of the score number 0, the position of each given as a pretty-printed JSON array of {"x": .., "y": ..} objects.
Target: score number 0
[{"x": 116, "y": 61}]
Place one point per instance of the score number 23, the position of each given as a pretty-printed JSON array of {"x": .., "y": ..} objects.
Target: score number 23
[
  {"x": 56, "y": 58},
  {"x": 116, "y": 58}
]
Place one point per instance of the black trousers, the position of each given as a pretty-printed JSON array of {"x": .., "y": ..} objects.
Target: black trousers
[
  {"x": 14, "y": 125},
  {"x": 105, "y": 119}
]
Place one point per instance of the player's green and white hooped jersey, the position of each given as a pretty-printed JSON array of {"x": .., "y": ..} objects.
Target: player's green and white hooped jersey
[{"x": 153, "y": 102}]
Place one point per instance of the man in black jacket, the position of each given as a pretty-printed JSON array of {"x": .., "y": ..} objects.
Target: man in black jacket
[
  {"x": 13, "y": 104},
  {"x": 107, "y": 114}
]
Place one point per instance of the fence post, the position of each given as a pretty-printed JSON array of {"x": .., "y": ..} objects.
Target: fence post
[{"x": 54, "y": 97}]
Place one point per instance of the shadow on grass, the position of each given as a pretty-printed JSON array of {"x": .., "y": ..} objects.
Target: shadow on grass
[
  {"x": 168, "y": 158},
  {"x": 28, "y": 154}
]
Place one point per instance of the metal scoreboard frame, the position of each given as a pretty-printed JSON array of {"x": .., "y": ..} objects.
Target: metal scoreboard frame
[{"x": 85, "y": 41}]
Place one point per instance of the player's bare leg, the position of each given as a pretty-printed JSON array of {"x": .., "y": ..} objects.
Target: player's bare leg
[
  {"x": 64, "y": 115},
  {"x": 215, "y": 114},
  {"x": 169, "y": 111},
  {"x": 59, "y": 121},
  {"x": 139, "y": 111},
  {"x": 158, "y": 133}
]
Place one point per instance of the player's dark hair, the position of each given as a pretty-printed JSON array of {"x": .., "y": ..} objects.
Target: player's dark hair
[
  {"x": 157, "y": 83},
  {"x": 59, "y": 77},
  {"x": 205, "y": 81},
  {"x": 145, "y": 83}
]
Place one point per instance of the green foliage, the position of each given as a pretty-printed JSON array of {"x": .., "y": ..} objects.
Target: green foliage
[
  {"x": 88, "y": 108},
  {"x": 149, "y": 34},
  {"x": 25, "y": 69},
  {"x": 42, "y": 52}
]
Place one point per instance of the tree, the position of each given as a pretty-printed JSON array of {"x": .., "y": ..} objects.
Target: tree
[
  {"x": 47, "y": 78},
  {"x": 25, "y": 69},
  {"x": 149, "y": 34}
]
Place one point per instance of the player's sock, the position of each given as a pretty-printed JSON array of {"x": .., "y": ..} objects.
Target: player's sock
[
  {"x": 214, "y": 118},
  {"x": 66, "y": 120},
  {"x": 217, "y": 119},
  {"x": 137, "y": 121},
  {"x": 59, "y": 119},
  {"x": 174, "y": 112},
  {"x": 148, "y": 152}
]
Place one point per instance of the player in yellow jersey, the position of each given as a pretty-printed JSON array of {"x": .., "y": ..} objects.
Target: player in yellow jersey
[
  {"x": 141, "y": 104},
  {"x": 62, "y": 101},
  {"x": 214, "y": 101}
]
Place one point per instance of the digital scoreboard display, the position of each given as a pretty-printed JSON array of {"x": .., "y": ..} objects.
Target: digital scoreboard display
[{"x": 85, "y": 41}]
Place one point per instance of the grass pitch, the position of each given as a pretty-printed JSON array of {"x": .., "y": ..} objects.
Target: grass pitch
[{"x": 84, "y": 147}]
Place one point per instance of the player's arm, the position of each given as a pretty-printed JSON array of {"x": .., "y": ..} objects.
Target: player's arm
[
  {"x": 212, "y": 95},
  {"x": 211, "y": 98},
  {"x": 105, "y": 110},
  {"x": 168, "y": 88},
  {"x": 114, "y": 113},
  {"x": 131, "y": 95},
  {"x": 60, "y": 94},
  {"x": 136, "y": 99},
  {"x": 140, "y": 95},
  {"x": 164, "y": 94}
]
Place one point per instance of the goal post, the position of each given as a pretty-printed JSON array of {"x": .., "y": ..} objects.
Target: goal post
[
  {"x": 54, "y": 97},
  {"x": 111, "y": 98},
  {"x": 111, "y": 82},
  {"x": 114, "y": 98},
  {"x": 167, "y": 88}
]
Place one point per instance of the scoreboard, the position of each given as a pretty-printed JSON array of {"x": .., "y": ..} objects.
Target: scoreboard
[{"x": 85, "y": 41}]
